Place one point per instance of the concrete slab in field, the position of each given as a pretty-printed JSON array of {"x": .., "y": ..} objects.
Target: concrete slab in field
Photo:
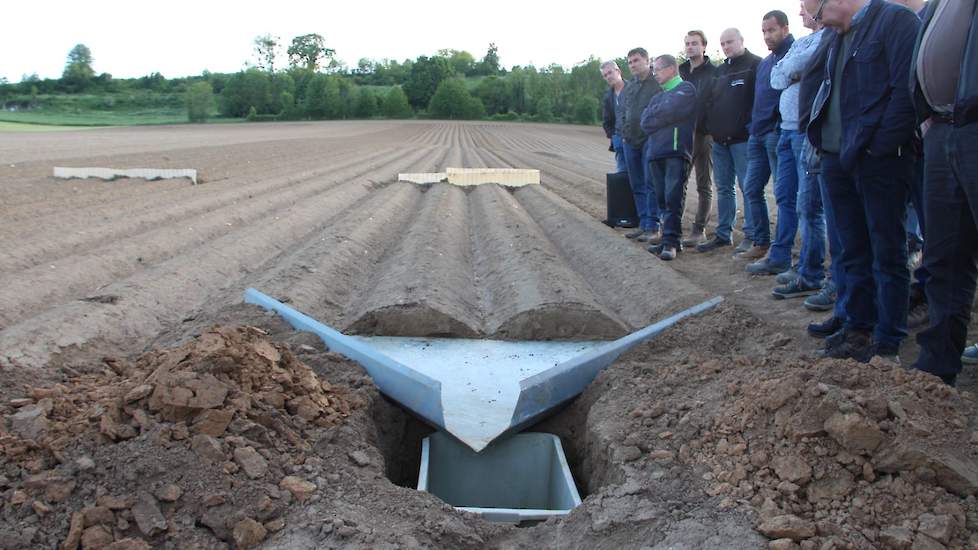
[
  {"x": 476, "y": 390},
  {"x": 114, "y": 173},
  {"x": 468, "y": 177}
]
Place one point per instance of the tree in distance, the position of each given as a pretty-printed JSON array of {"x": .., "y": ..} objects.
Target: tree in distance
[
  {"x": 200, "y": 101},
  {"x": 266, "y": 50},
  {"x": 78, "y": 73},
  {"x": 396, "y": 104},
  {"x": 586, "y": 110},
  {"x": 366, "y": 104},
  {"x": 426, "y": 74},
  {"x": 496, "y": 94},
  {"x": 452, "y": 100},
  {"x": 308, "y": 51}
]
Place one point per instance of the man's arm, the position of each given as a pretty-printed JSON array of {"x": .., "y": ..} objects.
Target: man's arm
[
  {"x": 789, "y": 70},
  {"x": 673, "y": 109},
  {"x": 608, "y": 113},
  {"x": 897, "y": 123}
]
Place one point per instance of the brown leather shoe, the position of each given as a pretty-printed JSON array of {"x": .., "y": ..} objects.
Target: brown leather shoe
[{"x": 755, "y": 253}]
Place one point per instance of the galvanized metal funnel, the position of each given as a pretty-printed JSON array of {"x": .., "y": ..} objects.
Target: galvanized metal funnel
[{"x": 476, "y": 390}]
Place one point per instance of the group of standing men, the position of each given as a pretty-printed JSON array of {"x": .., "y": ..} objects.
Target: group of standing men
[{"x": 871, "y": 117}]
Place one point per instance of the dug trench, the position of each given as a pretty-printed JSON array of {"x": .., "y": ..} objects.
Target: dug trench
[{"x": 716, "y": 434}]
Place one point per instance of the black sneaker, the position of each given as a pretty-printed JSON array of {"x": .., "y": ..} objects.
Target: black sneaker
[
  {"x": 669, "y": 253},
  {"x": 655, "y": 249},
  {"x": 854, "y": 344},
  {"x": 917, "y": 316},
  {"x": 886, "y": 351},
  {"x": 824, "y": 300},
  {"x": 635, "y": 234},
  {"x": 826, "y": 328},
  {"x": 713, "y": 244},
  {"x": 795, "y": 289}
]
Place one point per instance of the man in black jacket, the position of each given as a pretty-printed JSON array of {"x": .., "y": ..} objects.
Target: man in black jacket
[
  {"x": 944, "y": 85},
  {"x": 862, "y": 123},
  {"x": 728, "y": 105},
  {"x": 609, "y": 111},
  {"x": 699, "y": 71},
  {"x": 633, "y": 100}
]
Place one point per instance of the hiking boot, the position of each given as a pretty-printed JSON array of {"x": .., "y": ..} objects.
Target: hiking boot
[
  {"x": 886, "y": 351},
  {"x": 917, "y": 316},
  {"x": 767, "y": 267},
  {"x": 788, "y": 276},
  {"x": 713, "y": 244},
  {"x": 795, "y": 289},
  {"x": 635, "y": 234},
  {"x": 696, "y": 238},
  {"x": 970, "y": 355},
  {"x": 824, "y": 300},
  {"x": 668, "y": 253},
  {"x": 853, "y": 344},
  {"x": 651, "y": 237},
  {"x": 826, "y": 328},
  {"x": 744, "y": 246},
  {"x": 756, "y": 252}
]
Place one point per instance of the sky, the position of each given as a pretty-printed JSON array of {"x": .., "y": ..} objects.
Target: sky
[{"x": 183, "y": 38}]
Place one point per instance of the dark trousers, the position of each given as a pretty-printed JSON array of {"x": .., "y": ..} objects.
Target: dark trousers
[
  {"x": 921, "y": 275},
  {"x": 703, "y": 167},
  {"x": 669, "y": 177},
  {"x": 951, "y": 244},
  {"x": 869, "y": 204}
]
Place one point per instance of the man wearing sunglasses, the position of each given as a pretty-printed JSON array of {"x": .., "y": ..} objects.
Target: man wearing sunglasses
[{"x": 862, "y": 124}]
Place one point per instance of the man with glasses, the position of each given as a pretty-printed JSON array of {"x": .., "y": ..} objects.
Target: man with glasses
[
  {"x": 862, "y": 124},
  {"x": 669, "y": 120}
]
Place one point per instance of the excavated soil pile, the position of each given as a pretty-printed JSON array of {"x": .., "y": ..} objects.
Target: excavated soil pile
[
  {"x": 183, "y": 448},
  {"x": 820, "y": 454}
]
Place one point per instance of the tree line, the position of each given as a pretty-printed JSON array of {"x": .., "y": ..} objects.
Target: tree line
[{"x": 313, "y": 84}]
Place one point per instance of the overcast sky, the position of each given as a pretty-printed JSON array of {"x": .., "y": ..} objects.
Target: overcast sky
[{"x": 182, "y": 38}]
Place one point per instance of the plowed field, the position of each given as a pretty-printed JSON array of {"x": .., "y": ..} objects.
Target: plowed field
[{"x": 719, "y": 431}]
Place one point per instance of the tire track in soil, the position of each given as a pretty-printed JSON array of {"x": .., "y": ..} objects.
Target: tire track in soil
[
  {"x": 197, "y": 211},
  {"x": 154, "y": 298},
  {"x": 33, "y": 289}
]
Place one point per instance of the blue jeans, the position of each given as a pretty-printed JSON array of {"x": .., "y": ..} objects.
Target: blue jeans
[
  {"x": 729, "y": 168},
  {"x": 640, "y": 178},
  {"x": 835, "y": 249},
  {"x": 762, "y": 163},
  {"x": 950, "y": 244},
  {"x": 786, "y": 195},
  {"x": 669, "y": 176},
  {"x": 811, "y": 218},
  {"x": 619, "y": 146},
  {"x": 870, "y": 207}
]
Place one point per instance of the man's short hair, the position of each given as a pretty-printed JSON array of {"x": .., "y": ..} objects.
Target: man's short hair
[
  {"x": 666, "y": 61},
  {"x": 699, "y": 34},
  {"x": 638, "y": 51},
  {"x": 778, "y": 15},
  {"x": 610, "y": 64}
]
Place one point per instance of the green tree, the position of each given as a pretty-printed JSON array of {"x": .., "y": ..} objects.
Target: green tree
[
  {"x": 544, "y": 110},
  {"x": 78, "y": 73},
  {"x": 366, "y": 104},
  {"x": 426, "y": 74},
  {"x": 308, "y": 51},
  {"x": 462, "y": 61},
  {"x": 200, "y": 101},
  {"x": 452, "y": 100},
  {"x": 586, "y": 110},
  {"x": 495, "y": 93},
  {"x": 266, "y": 50},
  {"x": 251, "y": 88},
  {"x": 396, "y": 104},
  {"x": 489, "y": 65}
]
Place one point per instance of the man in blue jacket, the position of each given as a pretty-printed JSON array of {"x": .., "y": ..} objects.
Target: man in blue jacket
[
  {"x": 669, "y": 120},
  {"x": 862, "y": 123},
  {"x": 762, "y": 147},
  {"x": 944, "y": 84}
]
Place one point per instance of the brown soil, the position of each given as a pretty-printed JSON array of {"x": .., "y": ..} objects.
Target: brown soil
[{"x": 723, "y": 432}]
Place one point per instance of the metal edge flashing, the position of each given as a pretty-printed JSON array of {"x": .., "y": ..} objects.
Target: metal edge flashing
[
  {"x": 544, "y": 391},
  {"x": 410, "y": 388}
]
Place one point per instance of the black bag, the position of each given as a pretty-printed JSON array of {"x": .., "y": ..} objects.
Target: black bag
[{"x": 621, "y": 203}]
